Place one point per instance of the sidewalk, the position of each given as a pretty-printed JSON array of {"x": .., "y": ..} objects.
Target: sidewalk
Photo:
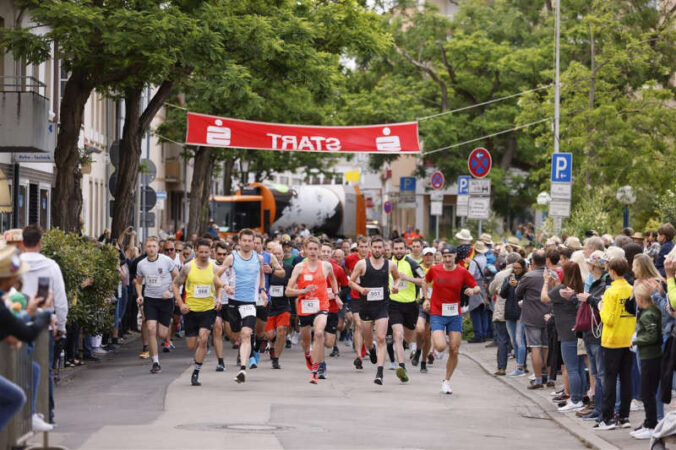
[{"x": 602, "y": 440}]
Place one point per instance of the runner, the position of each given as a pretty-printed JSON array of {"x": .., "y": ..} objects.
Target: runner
[
  {"x": 221, "y": 323},
  {"x": 416, "y": 250},
  {"x": 200, "y": 306},
  {"x": 403, "y": 306},
  {"x": 280, "y": 309},
  {"x": 373, "y": 287},
  {"x": 423, "y": 334},
  {"x": 169, "y": 250},
  {"x": 335, "y": 305},
  {"x": 154, "y": 275},
  {"x": 449, "y": 280},
  {"x": 308, "y": 282},
  {"x": 270, "y": 265},
  {"x": 249, "y": 284},
  {"x": 356, "y": 303}
]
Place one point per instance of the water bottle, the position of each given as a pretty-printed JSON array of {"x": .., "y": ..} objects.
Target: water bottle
[{"x": 62, "y": 359}]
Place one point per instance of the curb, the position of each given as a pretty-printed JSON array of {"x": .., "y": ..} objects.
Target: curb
[{"x": 587, "y": 437}]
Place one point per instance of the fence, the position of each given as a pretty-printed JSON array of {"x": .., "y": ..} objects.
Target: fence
[{"x": 17, "y": 366}]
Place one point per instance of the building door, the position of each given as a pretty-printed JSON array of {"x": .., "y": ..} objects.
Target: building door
[{"x": 44, "y": 209}]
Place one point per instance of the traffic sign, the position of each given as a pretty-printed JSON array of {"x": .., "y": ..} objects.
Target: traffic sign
[
  {"x": 162, "y": 195},
  {"x": 562, "y": 168},
  {"x": 559, "y": 208},
  {"x": 407, "y": 184},
  {"x": 436, "y": 196},
  {"x": 463, "y": 185},
  {"x": 561, "y": 191},
  {"x": 480, "y": 187},
  {"x": 463, "y": 202},
  {"x": 478, "y": 208},
  {"x": 479, "y": 162},
  {"x": 437, "y": 181},
  {"x": 436, "y": 208},
  {"x": 387, "y": 207}
]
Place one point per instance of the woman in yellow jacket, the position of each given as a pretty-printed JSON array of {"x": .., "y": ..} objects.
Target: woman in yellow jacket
[{"x": 618, "y": 329}]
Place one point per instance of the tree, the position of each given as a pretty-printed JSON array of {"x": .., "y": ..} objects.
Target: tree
[{"x": 282, "y": 65}]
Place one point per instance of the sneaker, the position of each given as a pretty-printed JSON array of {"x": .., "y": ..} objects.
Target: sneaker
[
  {"x": 220, "y": 368},
  {"x": 534, "y": 386},
  {"x": 532, "y": 377},
  {"x": 430, "y": 359},
  {"x": 257, "y": 357},
  {"x": 322, "y": 371},
  {"x": 308, "y": 362},
  {"x": 587, "y": 410},
  {"x": 592, "y": 416},
  {"x": 555, "y": 392},
  {"x": 446, "y": 387},
  {"x": 358, "y": 364},
  {"x": 401, "y": 374},
  {"x": 561, "y": 398},
  {"x": 636, "y": 405},
  {"x": 423, "y": 369},
  {"x": 194, "y": 380},
  {"x": 275, "y": 364},
  {"x": 171, "y": 345},
  {"x": 393, "y": 366},
  {"x": 516, "y": 373},
  {"x": 314, "y": 378},
  {"x": 570, "y": 406},
  {"x": 39, "y": 424},
  {"x": 551, "y": 383},
  {"x": 288, "y": 343},
  {"x": 294, "y": 338},
  {"x": 241, "y": 376},
  {"x": 166, "y": 347},
  {"x": 642, "y": 433},
  {"x": 415, "y": 359},
  {"x": 623, "y": 422},
  {"x": 144, "y": 354},
  {"x": 373, "y": 355},
  {"x": 335, "y": 352},
  {"x": 99, "y": 351},
  {"x": 156, "y": 368},
  {"x": 252, "y": 363},
  {"x": 378, "y": 380},
  {"x": 500, "y": 373},
  {"x": 605, "y": 426}
]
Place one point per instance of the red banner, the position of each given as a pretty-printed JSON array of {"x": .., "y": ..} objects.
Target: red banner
[{"x": 213, "y": 131}]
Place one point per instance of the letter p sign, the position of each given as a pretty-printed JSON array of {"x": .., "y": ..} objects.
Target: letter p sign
[{"x": 562, "y": 167}]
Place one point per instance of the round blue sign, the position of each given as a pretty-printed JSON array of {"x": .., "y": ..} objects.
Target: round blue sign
[
  {"x": 479, "y": 162},
  {"x": 437, "y": 181},
  {"x": 387, "y": 207}
]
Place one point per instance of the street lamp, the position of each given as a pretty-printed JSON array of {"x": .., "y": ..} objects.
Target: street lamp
[
  {"x": 244, "y": 170},
  {"x": 543, "y": 200},
  {"x": 626, "y": 196}
]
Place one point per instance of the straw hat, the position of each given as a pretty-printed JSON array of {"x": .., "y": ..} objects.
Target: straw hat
[
  {"x": 464, "y": 235},
  {"x": 514, "y": 241},
  {"x": 486, "y": 239},
  {"x": 637, "y": 235},
  {"x": 10, "y": 264},
  {"x": 573, "y": 243},
  {"x": 480, "y": 247}
]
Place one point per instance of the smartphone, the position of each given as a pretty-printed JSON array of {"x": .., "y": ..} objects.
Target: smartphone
[{"x": 43, "y": 288}]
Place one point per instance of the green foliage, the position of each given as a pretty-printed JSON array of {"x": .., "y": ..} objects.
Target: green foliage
[
  {"x": 591, "y": 212},
  {"x": 666, "y": 206},
  {"x": 79, "y": 260}
]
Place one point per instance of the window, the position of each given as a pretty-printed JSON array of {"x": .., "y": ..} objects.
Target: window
[
  {"x": 22, "y": 207},
  {"x": 44, "y": 208},
  {"x": 33, "y": 204}
]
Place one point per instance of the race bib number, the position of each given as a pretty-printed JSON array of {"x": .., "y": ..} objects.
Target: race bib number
[
  {"x": 224, "y": 298},
  {"x": 375, "y": 294},
  {"x": 276, "y": 291},
  {"x": 201, "y": 291},
  {"x": 402, "y": 285},
  {"x": 449, "y": 309},
  {"x": 259, "y": 300},
  {"x": 246, "y": 311},
  {"x": 309, "y": 306},
  {"x": 153, "y": 281},
  {"x": 429, "y": 292},
  {"x": 307, "y": 277}
]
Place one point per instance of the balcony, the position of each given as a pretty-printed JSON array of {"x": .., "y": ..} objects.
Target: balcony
[{"x": 24, "y": 117}]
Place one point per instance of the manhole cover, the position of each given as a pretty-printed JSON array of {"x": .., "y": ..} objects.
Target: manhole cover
[{"x": 243, "y": 427}]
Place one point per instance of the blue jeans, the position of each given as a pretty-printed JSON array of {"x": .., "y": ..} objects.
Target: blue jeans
[
  {"x": 120, "y": 307},
  {"x": 517, "y": 333},
  {"x": 503, "y": 344},
  {"x": 575, "y": 368},
  {"x": 12, "y": 399},
  {"x": 479, "y": 323},
  {"x": 598, "y": 371}
]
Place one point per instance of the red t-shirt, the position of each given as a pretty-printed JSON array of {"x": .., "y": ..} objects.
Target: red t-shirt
[
  {"x": 351, "y": 260},
  {"x": 341, "y": 278},
  {"x": 447, "y": 285}
]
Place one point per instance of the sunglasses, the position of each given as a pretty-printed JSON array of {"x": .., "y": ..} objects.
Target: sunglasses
[
  {"x": 221, "y": 254},
  {"x": 169, "y": 249}
]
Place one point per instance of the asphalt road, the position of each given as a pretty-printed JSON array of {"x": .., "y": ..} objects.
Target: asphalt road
[{"x": 118, "y": 404}]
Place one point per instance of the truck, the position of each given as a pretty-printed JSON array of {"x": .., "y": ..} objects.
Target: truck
[{"x": 337, "y": 210}]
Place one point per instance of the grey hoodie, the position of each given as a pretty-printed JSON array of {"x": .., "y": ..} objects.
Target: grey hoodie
[{"x": 41, "y": 266}]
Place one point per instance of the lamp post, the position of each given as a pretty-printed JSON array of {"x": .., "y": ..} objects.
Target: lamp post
[
  {"x": 626, "y": 196},
  {"x": 244, "y": 170},
  {"x": 543, "y": 200}
]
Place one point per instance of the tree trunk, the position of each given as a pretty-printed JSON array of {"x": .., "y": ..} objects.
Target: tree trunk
[
  {"x": 227, "y": 176},
  {"x": 67, "y": 197},
  {"x": 510, "y": 151},
  {"x": 199, "y": 192},
  {"x": 127, "y": 170}
]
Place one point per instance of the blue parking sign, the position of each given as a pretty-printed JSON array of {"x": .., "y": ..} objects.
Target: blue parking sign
[
  {"x": 463, "y": 185},
  {"x": 407, "y": 184},
  {"x": 562, "y": 167}
]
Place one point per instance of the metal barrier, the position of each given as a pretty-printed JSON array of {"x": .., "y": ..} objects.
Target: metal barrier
[{"x": 17, "y": 366}]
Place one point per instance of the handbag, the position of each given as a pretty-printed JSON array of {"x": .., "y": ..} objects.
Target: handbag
[{"x": 587, "y": 319}]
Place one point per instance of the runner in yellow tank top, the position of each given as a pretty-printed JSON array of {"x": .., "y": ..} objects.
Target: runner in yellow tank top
[{"x": 200, "y": 306}]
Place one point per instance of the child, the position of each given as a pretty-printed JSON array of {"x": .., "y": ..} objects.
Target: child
[{"x": 649, "y": 342}]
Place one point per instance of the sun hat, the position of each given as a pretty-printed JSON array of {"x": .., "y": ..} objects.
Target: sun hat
[
  {"x": 429, "y": 250},
  {"x": 464, "y": 235},
  {"x": 480, "y": 247},
  {"x": 573, "y": 243},
  {"x": 486, "y": 239},
  {"x": 10, "y": 263}
]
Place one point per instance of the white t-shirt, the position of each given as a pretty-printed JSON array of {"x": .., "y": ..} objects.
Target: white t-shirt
[{"x": 156, "y": 275}]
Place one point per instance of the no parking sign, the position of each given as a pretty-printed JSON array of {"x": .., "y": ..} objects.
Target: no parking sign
[{"x": 479, "y": 162}]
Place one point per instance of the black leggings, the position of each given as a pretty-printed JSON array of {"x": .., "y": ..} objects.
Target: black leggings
[
  {"x": 618, "y": 363},
  {"x": 650, "y": 378}
]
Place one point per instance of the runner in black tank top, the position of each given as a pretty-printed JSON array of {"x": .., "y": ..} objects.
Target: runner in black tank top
[{"x": 373, "y": 287}]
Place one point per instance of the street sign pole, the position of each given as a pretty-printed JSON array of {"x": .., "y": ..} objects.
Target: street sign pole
[{"x": 557, "y": 93}]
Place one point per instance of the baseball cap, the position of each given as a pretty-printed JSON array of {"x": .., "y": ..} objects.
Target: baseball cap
[
  {"x": 429, "y": 250},
  {"x": 449, "y": 249}
]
